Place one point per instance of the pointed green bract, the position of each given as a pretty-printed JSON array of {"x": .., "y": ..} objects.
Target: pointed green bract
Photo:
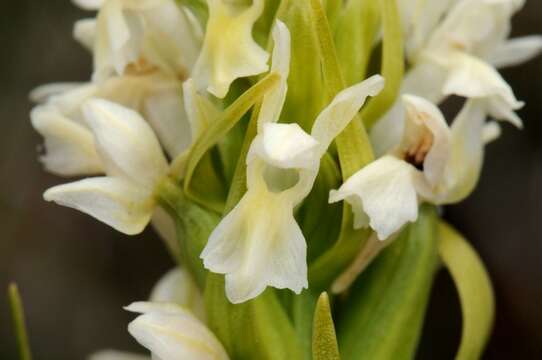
[
  {"x": 218, "y": 129},
  {"x": 324, "y": 339},
  {"x": 474, "y": 288},
  {"x": 303, "y": 308},
  {"x": 356, "y": 31},
  {"x": 19, "y": 325},
  {"x": 392, "y": 67},
  {"x": 384, "y": 314}
]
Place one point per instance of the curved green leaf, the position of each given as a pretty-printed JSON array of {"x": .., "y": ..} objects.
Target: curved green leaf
[
  {"x": 324, "y": 339},
  {"x": 386, "y": 307},
  {"x": 393, "y": 64},
  {"x": 474, "y": 288}
]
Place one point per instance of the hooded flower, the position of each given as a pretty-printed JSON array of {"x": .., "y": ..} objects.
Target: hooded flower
[
  {"x": 259, "y": 243},
  {"x": 59, "y": 118},
  {"x": 459, "y": 58},
  {"x": 229, "y": 50},
  {"x": 139, "y": 35},
  {"x": 171, "y": 333},
  {"x": 133, "y": 161},
  {"x": 432, "y": 163}
]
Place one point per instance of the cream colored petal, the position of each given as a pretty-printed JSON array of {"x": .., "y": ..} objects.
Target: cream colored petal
[
  {"x": 165, "y": 112},
  {"x": 89, "y": 4},
  {"x": 385, "y": 191},
  {"x": 84, "y": 31},
  {"x": 473, "y": 78},
  {"x": 258, "y": 244},
  {"x": 346, "y": 104},
  {"x": 229, "y": 51},
  {"x": 43, "y": 93},
  {"x": 173, "y": 334},
  {"x": 465, "y": 164},
  {"x": 286, "y": 146},
  {"x": 516, "y": 51},
  {"x": 126, "y": 143},
  {"x": 117, "y": 355},
  {"x": 426, "y": 124},
  {"x": 113, "y": 201},
  {"x": 491, "y": 132},
  {"x": 178, "y": 287},
  {"x": 69, "y": 147},
  {"x": 273, "y": 101}
]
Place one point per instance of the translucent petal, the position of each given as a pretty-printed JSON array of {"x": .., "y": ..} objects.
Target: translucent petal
[
  {"x": 126, "y": 143},
  {"x": 229, "y": 51},
  {"x": 172, "y": 334},
  {"x": 113, "y": 201},
  {"x": 70, "y": 149},
  {"x": 385, "y": 191}
]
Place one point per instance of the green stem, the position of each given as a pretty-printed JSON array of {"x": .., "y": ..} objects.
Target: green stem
[{"x": 19, "y": 325}]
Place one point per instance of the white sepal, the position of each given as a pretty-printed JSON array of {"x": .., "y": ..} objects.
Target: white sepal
[
  {"x": 126, "y": 143},
  {"x": 69, "y": 146},
  {"x": 84, "y": 31},
  {"x": 172, "y": 333},
  {"x": 229, "y": 50},
  {"x": 117, "y": 355},
  {"x": 113, "y": 201},
  {"x": 516, "y": 51}
]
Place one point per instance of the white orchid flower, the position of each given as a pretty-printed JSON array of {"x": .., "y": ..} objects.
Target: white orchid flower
[
  {"x": 171, "y": 333},
  {"x": 259, "y": 243},
  {"x": 134, "y": 164},
  {"x": 432, "y": 163},
  {"x": 117, "y": 355},
  {"x": 139, "y": 34},
  {"x": 459, "y": 58},
  {"x": 178, "y": 287},
  {"x": 229, "y": 50},
  {"x": 68, "y": 140}
]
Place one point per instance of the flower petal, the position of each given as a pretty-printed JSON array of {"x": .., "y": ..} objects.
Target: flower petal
[
  {"x": 126, "y": 143},
  {"x": 258, "y": 244},
  {"x": 516, "y": 51},
  {"x": 84, "y": 31},
  {"x": 178, "y": 287},
  {"x": 424, "y": 117},
  {"x": 229, "y": 51},
  {"x": 273, "y": 101},
  {"x": 117, "y": 355},
  {"x": 385, "y": 192},
  {"x": 89, "y": 4},
  {"x": 70, "y": 149},
  {"x": 346, "y": 104},
  {"x": 172, "y": 333},
  {"x": 113, "y": 201}
]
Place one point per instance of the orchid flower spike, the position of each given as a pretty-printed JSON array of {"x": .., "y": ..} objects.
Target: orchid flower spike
[
  {"x": 134, "y": 164},
  {"x": 171, "y": 333},
  {"x": 229, "y": 50},
  {"x": 259, "y": 243},
  {"x": 433, "y": 163},
  {"x": 138, "y": 36}
]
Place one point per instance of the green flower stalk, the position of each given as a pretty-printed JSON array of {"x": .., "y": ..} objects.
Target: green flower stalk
[{"x": 292, "y": 156}]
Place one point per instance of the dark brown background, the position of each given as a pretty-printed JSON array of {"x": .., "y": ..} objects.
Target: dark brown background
[{"x": 75, "y": 273}]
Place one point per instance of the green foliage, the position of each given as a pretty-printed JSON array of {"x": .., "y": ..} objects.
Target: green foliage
[
  {"x": 383, "y": 314},
  {"x": 474, "y": 288}
]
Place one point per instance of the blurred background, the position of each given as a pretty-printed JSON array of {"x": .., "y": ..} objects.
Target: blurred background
[{"x": 75, "y": 274}]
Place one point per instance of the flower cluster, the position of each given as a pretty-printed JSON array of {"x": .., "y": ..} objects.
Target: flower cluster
[{"x": 157, "y": 126}]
